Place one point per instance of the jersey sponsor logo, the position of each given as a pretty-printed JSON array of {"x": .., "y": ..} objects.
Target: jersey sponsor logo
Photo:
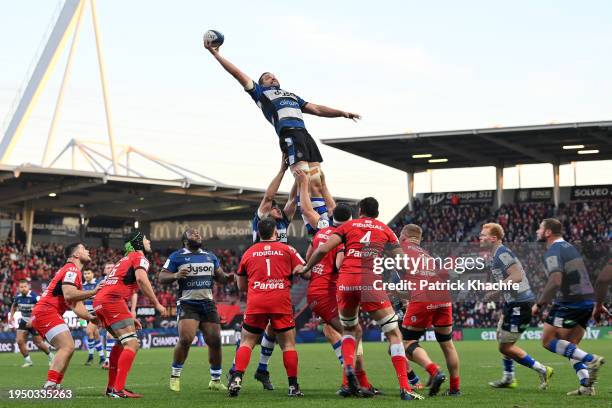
[
  {"x": 552, "y": 263},
  {"x": 269, "y": 285},
  {"x": 197, "y": 269},
  {"x": 70, "y": 277},
  {"x": 267, "y": 253}
]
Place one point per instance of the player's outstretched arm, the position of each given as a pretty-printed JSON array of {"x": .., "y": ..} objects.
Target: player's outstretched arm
[
  {"x": 72, "y": 294},
  {"x": 310, "y": 215},
  {"x": 332, "y": 242},
  {"x": 241, "y": 77},
  {"x": 327, "y": 112},
  {"x": 330, "y": 203},
  {"x": 145, "y": 285},
  {"x": 266, "y": 202},
  {"x": 221, "y": 276}
]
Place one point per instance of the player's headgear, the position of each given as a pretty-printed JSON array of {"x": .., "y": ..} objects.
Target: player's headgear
[
  {"x": 191, "y": 243},
  {"x": 134, "y": 242},
  {"x": 342, "y": 213},
  {"x": 70, "y": 249},
  {"x": 369, "y": 207},
  {"x": 266, "y": 227}
]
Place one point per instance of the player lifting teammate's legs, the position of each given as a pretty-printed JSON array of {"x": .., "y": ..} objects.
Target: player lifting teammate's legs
[{"x": 564, "y": 327}]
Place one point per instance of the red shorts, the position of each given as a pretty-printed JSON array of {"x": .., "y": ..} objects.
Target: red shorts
[
  {"x": 324, "y": 305},
  {"x": 256, "y": 322},
  {"x": 111, "y": 312},
  {"x": 427, "y": 314},
  {"x": 48, "y": 324},
  {"x": 352, "y": 291}
]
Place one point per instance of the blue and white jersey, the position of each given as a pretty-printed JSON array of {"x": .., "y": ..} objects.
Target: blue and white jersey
[
  {"x": 281, "y": 108},
  {"x": 502, "y": 260},
  {"x": 25, "y": 304},
  {"x": 91, "y": 285},
  {"x": 318, "y": 204},
  {"x": 198, "y": 283},
  {"x": 282, "y": 226},
  {"x": 576, "y": 286}
]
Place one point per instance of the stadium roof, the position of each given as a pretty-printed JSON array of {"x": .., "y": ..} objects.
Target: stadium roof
[
  {"x": 499, "y": 146},
  {"x": 93, "y": 194}
]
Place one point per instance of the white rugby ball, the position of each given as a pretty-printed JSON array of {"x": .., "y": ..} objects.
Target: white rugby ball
[{"x": 213, "y": 38}]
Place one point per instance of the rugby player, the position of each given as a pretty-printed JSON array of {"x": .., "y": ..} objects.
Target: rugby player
[
  {"x": 426, "y": 309},
  {"x": 110, "y": 306},
  {"x": 64, "y": 292},
  {"x": 318, "y": 217},
  {"x": 94, "y": 341},
  {"x": 321, "y": 297},
  {"x": 265, "y": 273},
  {"x": 601, "y": 290},
  {"x": 364, "y": 239},
  {"x": 109, "y": 340},
  {"x": 572, "y": 307},
  {"x": 24, "y": 302},
  {"x": 284, "y": 111},
  {"x": 195, "y": 271},
  {"x": 516, "y": 316}
]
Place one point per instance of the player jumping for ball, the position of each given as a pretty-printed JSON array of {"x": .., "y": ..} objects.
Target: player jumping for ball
[{"x": 284, "y": 110}]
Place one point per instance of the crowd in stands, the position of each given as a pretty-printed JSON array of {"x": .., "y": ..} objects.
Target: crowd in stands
[{"x": 588, "y": 224}]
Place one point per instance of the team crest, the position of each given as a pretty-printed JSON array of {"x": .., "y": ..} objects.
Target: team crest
[{"x": 267, "y": 248}]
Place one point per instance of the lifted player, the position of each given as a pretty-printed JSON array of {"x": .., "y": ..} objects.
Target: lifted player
[
  {"x": 365, "y": 238},
  {"x": 506, "y": 267},
  {"x": 284, "y": 111},
  {"x": 92, "y": 333},
  {"x": 63, "y": 293},
  {"x": 265, "y": 273},
  {"x": 321, "y": 298},
  {"x": 24, "y": 302},
  {"x": 427, "y": 309},
  {"x": 564, "y": 326},
  {"x": 316, "y": 213},
  {"x": 195, "y": 270},
  {"x": 110, "y": 305}
]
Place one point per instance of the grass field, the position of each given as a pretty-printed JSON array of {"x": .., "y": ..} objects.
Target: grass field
[{"x": 319, "y": 378}]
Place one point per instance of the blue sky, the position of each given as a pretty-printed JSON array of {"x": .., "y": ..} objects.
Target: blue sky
[{"x": 405, "y": 66}]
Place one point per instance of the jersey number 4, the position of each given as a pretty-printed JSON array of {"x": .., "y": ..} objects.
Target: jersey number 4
[{"x": 366, "y": 238}]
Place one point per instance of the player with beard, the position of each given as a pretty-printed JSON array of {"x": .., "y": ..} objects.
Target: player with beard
[
  {"x": 195, "y": 271},
  {"x": 63, "y": 293},
  {"x": 110, "y": 306}
]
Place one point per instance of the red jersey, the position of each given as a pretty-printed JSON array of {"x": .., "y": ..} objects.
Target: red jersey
[
  {"x": 120, "y": 283},
  {"x": 268, "y": 267},
  {"x": 324, "y": 275},
  {"x": 52, "y": 299},
  {"x": 422, "y": 267},
  {"x": 364, "y": 239}
]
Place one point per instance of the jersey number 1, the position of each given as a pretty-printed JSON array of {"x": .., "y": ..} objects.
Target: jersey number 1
[{"x": 268, "y": 265}]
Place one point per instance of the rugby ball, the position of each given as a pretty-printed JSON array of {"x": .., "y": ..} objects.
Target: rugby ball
[{"x": 213, "y": 38}]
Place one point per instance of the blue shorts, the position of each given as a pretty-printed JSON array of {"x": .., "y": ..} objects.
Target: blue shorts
[{"x": 567, "y": 317}]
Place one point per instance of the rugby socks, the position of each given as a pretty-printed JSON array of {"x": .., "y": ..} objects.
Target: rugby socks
[
  {"x": 413, "y": 379},
  {"x": 267, "y": 347},
  {"x": 176, "y": 369},
  {"x": 432, "y": 369},
  {"x": 99, "y": 348},
  {"x": 508, "y": 369},
  {"x": 363, "y": 378},
  {"x": 124, "y": 365},
  {"x": 91, "y": 346},
  {"x": 454, "y": 383},
  {"x": 398, "y": 358},
  {"x": 110, "y": 343},
  {"x": 53, "y": 378},
  {"x": 215, "y": 373},
  {"x": 529, "y": 362},
  {"x": 348, "y": 350},
  {"x": 337, "y": 346},
  {"x": 569, "y": 350},
  {"x": 581, "y": 372},
  {"x": 290, "y": 360},
  {"x": 113, "y": 361},
  {"x": 243, "y": 356}
]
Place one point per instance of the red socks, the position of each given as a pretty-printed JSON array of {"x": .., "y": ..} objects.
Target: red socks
[
  {"x": 454, "y": 383},
  {"x": 348, "y": 350},
  {"x": 113, "y": 360},
  {"x": 401, "y": 367},
  {"x": 243, "y": 356},
  {"x": 124, "y": 366},
  {"x": 432, "y": 369},
  {"x": 290, "y": 360},
  {"x": 363, "y": 378},
  {"x": 54, "y": 376}
]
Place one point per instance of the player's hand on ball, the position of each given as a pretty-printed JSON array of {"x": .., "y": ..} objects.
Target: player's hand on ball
[{"x": 354, "y": 116}]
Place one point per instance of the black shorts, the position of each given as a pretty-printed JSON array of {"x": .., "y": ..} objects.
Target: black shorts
[
  {"x": 569, "y": 317},
  {"x": 517, "y": 316},
  {"x": 204, "y": 311},
  {"x": 23, "y": 325},
  {"x": 298, "y": 145}
]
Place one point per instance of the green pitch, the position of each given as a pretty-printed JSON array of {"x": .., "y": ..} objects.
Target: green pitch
[{"x": 319, "y": 378}]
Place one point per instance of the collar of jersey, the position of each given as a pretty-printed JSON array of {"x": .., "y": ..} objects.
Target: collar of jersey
[{"x": 187, "y": 251}]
